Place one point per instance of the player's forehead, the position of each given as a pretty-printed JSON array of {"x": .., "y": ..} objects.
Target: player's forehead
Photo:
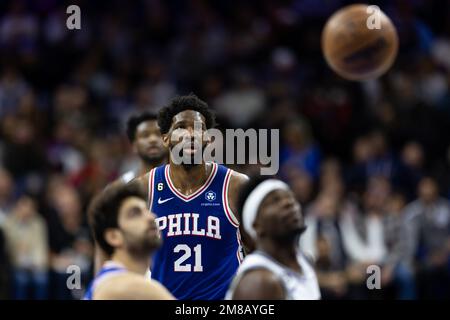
[
  {"x": 147, "y": 125},
  {"x": 188, "y": 116},
  {"x": 276, "y": 196},
  {"x": 131, "y": 203}
]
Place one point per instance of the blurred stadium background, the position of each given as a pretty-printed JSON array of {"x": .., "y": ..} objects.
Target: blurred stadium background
[{"x": 359, "y": 156}]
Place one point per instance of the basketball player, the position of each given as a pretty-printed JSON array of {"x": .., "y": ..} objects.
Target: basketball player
[
  {"x": 124, "y": 229},
  {"x": 145, "y": 137},
  {"x": 271, "y": 216},
  {"x": 194, "y": 205}
]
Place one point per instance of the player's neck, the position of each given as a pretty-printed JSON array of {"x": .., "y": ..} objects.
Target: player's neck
[
  {"x": 132, "y": 264},
  {"x": 147, "y": 166},
  {"x": 188, "y": 179},
  {"x": 284, "y": 253}
]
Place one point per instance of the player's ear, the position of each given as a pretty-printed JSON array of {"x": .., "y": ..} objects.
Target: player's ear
[
  {"x": 166, "y": 140},
  {"x": 113, "y": 237},
  {"x": 258, "y": 228},
  {"x": 207, "y": 137}
]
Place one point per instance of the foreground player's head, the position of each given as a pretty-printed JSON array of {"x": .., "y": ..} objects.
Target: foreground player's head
[
  {"x": 177, "y": 122},
  {"x": 145, "y": 136},
  {"x": 269, "y": 211},
  {"x": 120, "y": 220}
]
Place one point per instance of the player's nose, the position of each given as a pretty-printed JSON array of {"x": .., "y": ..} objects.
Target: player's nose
[
  {"x": 288, "y": 202},
  {"x": 150, "y": 216},
  {"x": 153, "y": 138}
]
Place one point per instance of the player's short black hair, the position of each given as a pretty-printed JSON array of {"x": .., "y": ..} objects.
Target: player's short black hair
[
  {"x": 180, "y": 104},
  {"x": 135, "y": 120},
  {"x": 103, "y": 211}
]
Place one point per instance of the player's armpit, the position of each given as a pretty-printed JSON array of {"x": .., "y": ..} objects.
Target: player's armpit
[
  {"x": 259, "y": 284},
  {"x": 131, "y": 287}
]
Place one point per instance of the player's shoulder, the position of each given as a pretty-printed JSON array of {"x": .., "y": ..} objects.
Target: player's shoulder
[
  {"x": 259, "y": 283},
  {"x": 131, "y": 286},
  {"x": 237, "y": 178}
]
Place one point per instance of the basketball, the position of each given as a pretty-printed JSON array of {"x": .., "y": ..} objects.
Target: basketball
[{"x": 359, "y": 42}]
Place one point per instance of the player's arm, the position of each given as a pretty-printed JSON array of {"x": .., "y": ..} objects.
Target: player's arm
[
  {"x": 99, "y": 255},
  {"x": 236, "y": 181},
  {"x": 131, "y": 287},
  {"x": 259, "y": 284}
]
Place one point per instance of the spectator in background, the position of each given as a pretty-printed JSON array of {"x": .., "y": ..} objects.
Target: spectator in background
[
  {"x": 62, "y": 153},
  {"x": 412, "y": 159},
  {"x": 299, "y": 149},
  {"x": 243, "y": 104},
  {"x": 301, "y": 183},
  {"x": 363, "y": 234},
  {"x": 6, "y": 193},
  {"x": 70, "y": 242},
  {"x": 322, "y": 239},
  {"x": 363, "y": 153},
  {"x": 22, "y": 154},
  {"x": 12, "y": 88},
  {"x": 428, "y": 234},
  {"x": 383, "y": 162},
  {"x": 99, "y": 169},
  {"x": 396, "y": 271},
  {"x": 26, "y": 235}
]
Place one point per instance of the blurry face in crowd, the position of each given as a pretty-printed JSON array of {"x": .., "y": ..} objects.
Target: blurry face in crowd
[
  {"x": 148, "y": 143},
  {"x": 182, "y": 130},
  {"x": 331, "y": 178},
  {"x": 396, "y": 203},
  {"x": 6, "y": 184},
  {"x": 362, "y": 150},
  {"x": 428, "y": 190},
  {"x": 377, "y": 193},
  {"x": 378, "y": 142},
  {"x": 295, "y": 135},
  {"x": 25, "y": 208},
  {"x": 138, "y": 233},
  {"x": 279, "y": 216},
  {"x": 301, "y": 183},
  {"x": 327, "y": 205},
  {"x": 412, "y": 155}
]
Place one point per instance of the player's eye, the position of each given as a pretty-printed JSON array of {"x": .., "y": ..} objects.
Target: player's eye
[
  {"x": 134, "y": 212},
  {"x": 145, "y": 133}
]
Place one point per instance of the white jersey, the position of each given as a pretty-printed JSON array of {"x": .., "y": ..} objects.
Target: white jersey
[
  {"x": 128, "y": 176},
  {"x": 297, "y": 286}
]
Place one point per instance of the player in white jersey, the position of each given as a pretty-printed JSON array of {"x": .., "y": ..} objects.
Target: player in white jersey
[{"x": 276, "y": 269}]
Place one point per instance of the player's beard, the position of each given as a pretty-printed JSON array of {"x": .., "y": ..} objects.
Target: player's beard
[
  {"x": 141, "y": 246},
  {"x": 151, "y": 160},
  {"x": 291, "y": 236}
]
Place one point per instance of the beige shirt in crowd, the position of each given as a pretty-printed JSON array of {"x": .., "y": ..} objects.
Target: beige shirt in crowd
[{"x": 27, "y": 242}]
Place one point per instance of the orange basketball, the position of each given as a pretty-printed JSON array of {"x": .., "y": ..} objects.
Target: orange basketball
[{"x": 359, "y": 43}]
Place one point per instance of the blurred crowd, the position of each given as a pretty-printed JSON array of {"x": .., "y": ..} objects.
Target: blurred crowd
[{"x": 369, "y": 162}]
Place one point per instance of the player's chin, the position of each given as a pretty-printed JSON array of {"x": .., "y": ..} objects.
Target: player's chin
[
  {"x": 294, "y": 230},
  {"x": 153, "y": 155},
  {"x": 153, "y": 243}
]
